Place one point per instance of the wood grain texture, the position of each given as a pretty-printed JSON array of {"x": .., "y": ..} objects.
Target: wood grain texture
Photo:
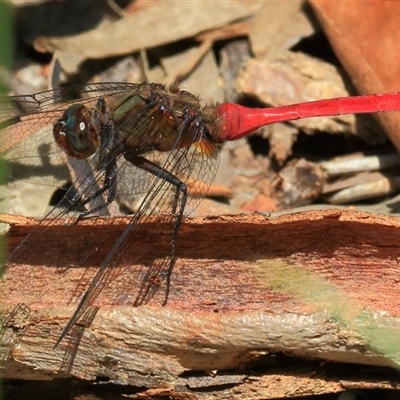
[{"x": 236, "y": 295}]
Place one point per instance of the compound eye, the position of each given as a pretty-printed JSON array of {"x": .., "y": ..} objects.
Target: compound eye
[{"x": 75, "y": 133}]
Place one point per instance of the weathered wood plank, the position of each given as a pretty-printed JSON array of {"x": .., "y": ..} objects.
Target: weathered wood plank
[{"x": 236, "y": 295}]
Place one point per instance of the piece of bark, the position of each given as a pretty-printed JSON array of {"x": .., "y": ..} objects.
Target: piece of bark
[
  {"x": 293, "y": 380},
  {"x": 321, "y": 284},
  {"x": 295, "y": 78}
]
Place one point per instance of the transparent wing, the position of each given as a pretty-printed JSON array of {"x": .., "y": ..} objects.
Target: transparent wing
[{"x": 134, "y": 264}]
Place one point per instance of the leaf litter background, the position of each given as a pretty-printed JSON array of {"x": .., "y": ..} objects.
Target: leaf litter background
[
  {"x": 264, "y": 54},
  {"x": 256, "y": 53}
]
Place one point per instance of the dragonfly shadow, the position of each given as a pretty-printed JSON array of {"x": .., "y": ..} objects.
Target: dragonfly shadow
[{"x": 61, "y": 261}]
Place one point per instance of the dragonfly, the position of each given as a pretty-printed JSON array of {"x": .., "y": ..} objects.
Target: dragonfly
[{"x": 143, "y": 146}]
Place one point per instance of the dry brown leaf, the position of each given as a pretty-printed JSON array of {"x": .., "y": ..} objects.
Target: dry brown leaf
[
  {"x": 286, "y": 26},
  {"x": 202, "y": 79},
  {"x": 163, "y": 23},
  {"x": 365, "y": 37}
]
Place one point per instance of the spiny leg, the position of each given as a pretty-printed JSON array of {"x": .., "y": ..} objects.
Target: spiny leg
[{"x": 177, "y": 209}]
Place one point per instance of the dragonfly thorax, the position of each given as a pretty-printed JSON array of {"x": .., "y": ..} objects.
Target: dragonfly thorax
[{"x": 76, "y": 133}]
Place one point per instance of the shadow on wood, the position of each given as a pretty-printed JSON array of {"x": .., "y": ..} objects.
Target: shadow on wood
[{"x": 319, "y": 284}]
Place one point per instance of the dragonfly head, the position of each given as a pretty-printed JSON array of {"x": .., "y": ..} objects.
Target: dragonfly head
[{"x": 76, "y": 132}]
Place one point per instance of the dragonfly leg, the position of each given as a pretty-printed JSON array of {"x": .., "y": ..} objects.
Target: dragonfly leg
[
  {"x": 177, "y": 209},
  {"x": 178, "y": 205},
  {"x": 109, "y": 186}
]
